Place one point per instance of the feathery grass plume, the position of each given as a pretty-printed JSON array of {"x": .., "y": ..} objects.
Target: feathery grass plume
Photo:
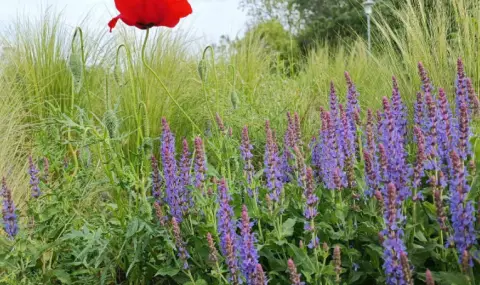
[
  {"x": 462, "y": 211},
  {"x": 246, "y": 154},
  {"x": 110, "y": 120},
  {"x": 248, "y": 253},
  {"x": 429, "y": 278},
  {"x": 234, "y": 99},
  {"x": 260, "y": 278},
  {"x": 294, "y": 276},
  {"x": 180, "y": 243},
  {"x": 200, "y": 164},
  {"x": 310, "y": 211},
  {"x": 76, "y": 61},
  {"x": 272, "y": 163},
  {"x": 117, "y": 72},
  {"x": 337, "y": 261},
  {"x": 34, "y": 179},
  {"x": 10, "y": 219},
  {"x": 393, "y": 233},
  {"x": 202, "y": 69},
  {"x": 145, "y": 122},
  {"x": 170, "y": 169}
]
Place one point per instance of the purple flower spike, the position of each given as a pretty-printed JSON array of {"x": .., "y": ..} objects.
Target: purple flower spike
[
  {"x": 10, "y": 222},
  {"x": 248, "y": 252},
  {"x": 200, "y": 164},
  {"x": 34, "y": 179},
  {"x": 419, "y": 170},
  {"x": 272, "y": 163},
  {"x": 294, "y": 276},
  {"x": 399, "y": 111},
  {"x": 311, "y": 202},
  {"x": 225, "y": 215},
  {"x": 231, "y": 259},
  {"x": 260, "y": 278},
  {"x": 185, "y": 180},
  {"x": 462, "y": 211},
  {"x": 170, "y": 172},
  {"x": 179, "y": 243},
  {"x": 393, "y": 243},
  {"x": 246, "y": 153},
  {"x": 156, "y": 180}
]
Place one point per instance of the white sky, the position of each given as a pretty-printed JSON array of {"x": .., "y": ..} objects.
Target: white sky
[{"x": 210, "y": 18}]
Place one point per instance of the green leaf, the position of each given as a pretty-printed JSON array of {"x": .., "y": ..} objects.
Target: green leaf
[
  {"x": 287, "y": 227},
  {"x": 132, "y": 228},
  {"x": 62, "y": 276},
  {"x": 167, "y": 271},
  {"x": 450, "y": 278},
  {"x": 420, "y": 236}
]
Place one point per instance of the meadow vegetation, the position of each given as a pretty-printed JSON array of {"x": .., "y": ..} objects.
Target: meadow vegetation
[{"x": 86, "y": 122}]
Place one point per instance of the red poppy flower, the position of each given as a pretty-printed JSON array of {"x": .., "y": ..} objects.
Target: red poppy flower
[{"x": 145, "y": 14}]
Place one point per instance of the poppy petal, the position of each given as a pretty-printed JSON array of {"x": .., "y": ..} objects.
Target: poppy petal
[{"x": 113, "y": 22}]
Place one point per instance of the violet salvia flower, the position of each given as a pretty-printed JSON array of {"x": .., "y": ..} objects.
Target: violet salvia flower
[
  {"x": 333, "y": 100},
  {"x": 419, "y": 111},
  {"x": 246, "y": 153},
  {"x": 329, "y": 152},
  {"x": 294, "y": 276},
  {"x": 289, "y": 142},
  {"x": 159, "y": 213},
  {"x": 460, "y": 87},
  {"x": 298, "y": 130},
  {"x": 399, "y": 111},
  {"x": 407, "y": 273},
  {"x": 219, "y": 121},
  {"x": 301, "y": 167},
  {"x": 46, "y": 170},
  {"x": 462, "y": 211},
  {"x": 179, "y": 243},
  {"x": 10, "y": 222},
  {"x": 427, "y": 86},
  {"x": 311, "y": 204},
  {"x": 397, "y": 170},
  {"x": 337, "y": 261},
  {"x": 156, "y": 179},
  {"x": 446, "y": 134},
  {"x": 393, "y": 243},
  {"x": 200, "y": 164},
  {"x": 473, "y": 100},
  {"x": 170, "y": 172},
  {"x": 260, "y": 278},
  {"x": 431, "y": 149},
  {"x": 231, "y": 260},
  {"x": 34, "y": 179},
  {"x": 272, "y": 166},
  {"x": 372, "y": 174},
  {"x": 185, "y": 180},
  {"x": 437, "y": 199},
  {"x": 213, "y": 253},
  {"x": 225, "y": 215},
  {"x": 248, "y": 252},
  {"x": 419, "y": 170},
  {"x": 353, "y": 107},
  {"x": 463, "y": 144},
  {"x": 429, "y": 278}
]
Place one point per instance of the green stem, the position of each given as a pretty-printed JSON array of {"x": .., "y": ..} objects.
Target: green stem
[{"x": 163, "y": 85}]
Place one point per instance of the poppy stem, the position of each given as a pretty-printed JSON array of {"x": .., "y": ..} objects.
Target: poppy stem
[{"x": 163, "y": 85}]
